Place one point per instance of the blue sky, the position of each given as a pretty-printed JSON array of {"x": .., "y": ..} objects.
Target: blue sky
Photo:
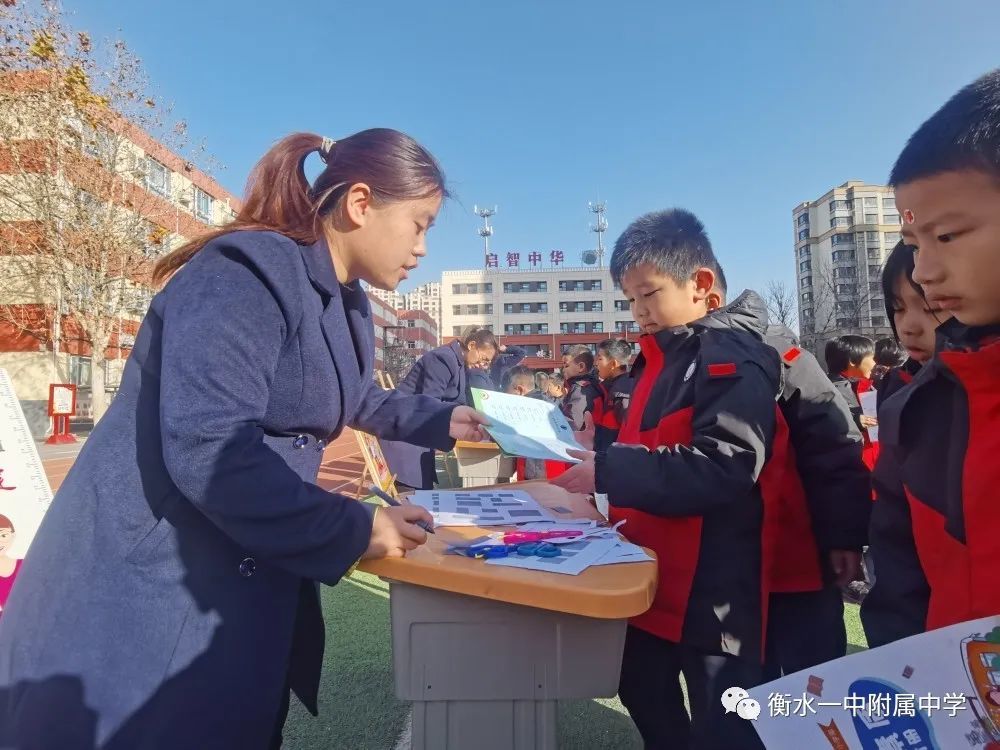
[{"x": 735, "y": 110}]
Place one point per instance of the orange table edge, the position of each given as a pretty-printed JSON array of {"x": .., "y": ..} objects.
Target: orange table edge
[{"x": 604, "y": 591}]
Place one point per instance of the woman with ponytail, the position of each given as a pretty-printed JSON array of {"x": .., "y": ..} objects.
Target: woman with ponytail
[{"x": 169, "y": 599}]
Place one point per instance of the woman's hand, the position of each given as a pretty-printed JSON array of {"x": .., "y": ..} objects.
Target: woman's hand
[
  {"x": 394, "y": 532},
  {"x": 467, "y": 424}
]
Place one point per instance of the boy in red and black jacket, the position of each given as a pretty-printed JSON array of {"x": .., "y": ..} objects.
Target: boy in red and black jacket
[
  {"x": 613, "y": 357},
  {"x": 583, "y": 391},
  {"x": 850, "y": 360},
  {"x": 935, "y": 530},
  {"x": 819, "y": 511},
  {"x": 684, "y": 474}
]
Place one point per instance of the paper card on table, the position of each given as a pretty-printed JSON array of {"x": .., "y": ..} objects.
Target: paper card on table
[
  {"x": 868, "y": 400},
  {"x": 623, "y": 552},
  {"x": 480, "y": 508},
  {"x": 932, "y": 690},
  {"x": 573, "y": 558},
  {"x": 527, "y": 427}
]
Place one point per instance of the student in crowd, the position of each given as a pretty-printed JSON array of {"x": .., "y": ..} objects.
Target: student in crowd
[
  {"x": 684, "y": 474},
  {"x": 935, "y": 531},
  {"x": 850, "y": 360},
  {"x": 442, "y": 373},
  {"x": 170, "y": 597},
  {"x": 612, "y": 361},
  {"x": 519, "y": 381},
  {"x": 820, "y": 510},
  {"x": 583, "y": 391},
  {"x": 541, "y": 381},
  {"x": 913, "y": 321},
  {"x": 555, "y": 388},
  {"x": 889, "y": 354}
]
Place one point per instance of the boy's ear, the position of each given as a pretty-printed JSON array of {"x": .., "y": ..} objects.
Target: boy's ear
[{"x": 704, "y": 281}]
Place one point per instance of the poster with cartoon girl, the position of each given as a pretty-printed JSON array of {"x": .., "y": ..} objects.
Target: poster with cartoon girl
[{"x": 9, "y": 566}]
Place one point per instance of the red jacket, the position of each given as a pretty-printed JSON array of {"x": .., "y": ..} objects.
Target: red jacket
[
  {"x": 935, "y": 530},
  {"x": 684, "y": 475}
]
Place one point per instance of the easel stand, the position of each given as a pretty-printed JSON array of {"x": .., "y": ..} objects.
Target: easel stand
[{"x": 60, "y": 431}]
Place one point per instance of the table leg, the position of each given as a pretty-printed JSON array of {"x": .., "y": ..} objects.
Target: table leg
[{"x": 487, "y": 675}]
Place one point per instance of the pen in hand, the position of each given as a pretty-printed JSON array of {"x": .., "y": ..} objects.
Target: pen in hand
[{"x": 390, "y": 500}]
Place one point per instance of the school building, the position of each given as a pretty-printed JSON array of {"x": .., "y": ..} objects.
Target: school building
[
  {"x": 534, "y": 301},
  {"x": 175, "y": 200},
  {"x": 842, "y": 240}
]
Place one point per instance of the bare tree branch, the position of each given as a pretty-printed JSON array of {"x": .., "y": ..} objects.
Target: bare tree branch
[
  {"x": 781, "y": 304},
  {"x": 82, "y": 218}
]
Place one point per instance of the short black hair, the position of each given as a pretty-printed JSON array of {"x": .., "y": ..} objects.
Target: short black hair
[
  {"x": 847, "y": 350},
  {"x": 674, "y": 241},
  {"x": 617, "y": 349},
  {"x": 889, "y": 353},
  {"x": 899, "y": 265},
  {"x": 581, "y": 354},
  {"x": 963, "y": 134},
  {"x": 518, "y": 372}
]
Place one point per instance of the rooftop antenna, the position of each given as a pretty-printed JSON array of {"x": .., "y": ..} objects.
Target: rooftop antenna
[
  {"x": 486, "y": 230},
  {"x": 599, "y": 227}
]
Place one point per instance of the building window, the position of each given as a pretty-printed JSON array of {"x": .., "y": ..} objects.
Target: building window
[
  {"x": 486, "y": 288},
  {"x": 891, "y": 238},
  {"x": 804, "y": 251},
  {"x": 842, "y": 255},
  {"x": 803, "y": 233},
  {"x": 802, "y": 220},
  {"x": 157, "y": 177},
  {"x": 871, "y": 202},
  {"x": 621, "y": 305},
  {"x": 871, "y": 218},
  {"x": 875, "y": 254},
  {"x": 805, "y": 266},
  {"x": 807, "y": 297},
  {"x": 586, "y": 285},
  {"x": 889, "y": 203},
  {"x": 525, "y": 286},
  {"x": 878, "y": 320},
  {"x": 202, "y": 205},
  {"x": 877, "y": 303},
  {"x": 845, "y": 272},
  {"x": 847, "y": 322},
  {"x": 874, "y": 287},
  {"x": 872, "y": 237},
  {"x": 806, "y": 282},
  {"x": 79, "y": 371},
  {"x": 842, "y": 239},
  {"x": 846, "y": 289},
  {"x": 626, "y": 326},
  {"x": 874, "y": 271},
  {"x": 891, "y": 219},
  {"x": 840, "y": 221},
  {"x": 472, "y": 309},
  {"x": 581, "y": 327},
  {"x": 839, "y": 206}
]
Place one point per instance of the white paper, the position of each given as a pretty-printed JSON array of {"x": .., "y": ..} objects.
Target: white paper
[
  {"x": 481, "y": 507},
  {"x": 866, "y": 701},
  {"x": 527, "y": 427},
  {"x": 573, "y": 559},
  {"x": 623, "y": 552},
  {"x": 868, "y": 400}
]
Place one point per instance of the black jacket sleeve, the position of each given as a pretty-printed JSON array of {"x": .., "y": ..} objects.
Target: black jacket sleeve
[
  {"x": 897, "y": 605},
  {"x": 578, "y": 402},
  {"x": 827, "y": 445},
  {"x": 733, "y": 425}
]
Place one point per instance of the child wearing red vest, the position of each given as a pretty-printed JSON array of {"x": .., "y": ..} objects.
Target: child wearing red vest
[
  {"x": 684, "y": 475},
  {"x": 850, "y": 360},
  {"x": 613, "y": 357}
]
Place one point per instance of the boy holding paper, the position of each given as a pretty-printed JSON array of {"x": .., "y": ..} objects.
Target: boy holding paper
[
  {"x": 685, "y": 476},
  {"x": 935, "y": 529}
]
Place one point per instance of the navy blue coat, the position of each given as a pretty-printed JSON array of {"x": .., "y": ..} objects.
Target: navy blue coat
[
  {"x": 169, "y": 593},
  {"x": 440, "y": 373}
]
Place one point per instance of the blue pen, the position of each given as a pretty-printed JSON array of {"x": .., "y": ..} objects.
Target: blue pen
[{"x": 390, "y": 500}]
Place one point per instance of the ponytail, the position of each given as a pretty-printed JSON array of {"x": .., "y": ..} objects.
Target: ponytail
[{"x": 280, "y": 199}]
